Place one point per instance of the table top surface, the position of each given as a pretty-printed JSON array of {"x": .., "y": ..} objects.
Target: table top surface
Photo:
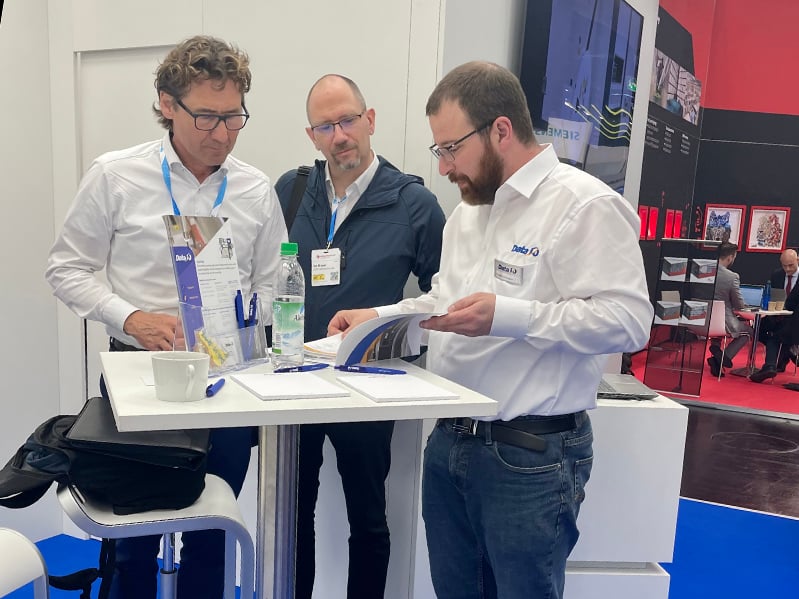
[{"x": 137, "y": 408}]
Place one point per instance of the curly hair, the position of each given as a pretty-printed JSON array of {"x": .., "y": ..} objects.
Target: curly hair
[{"x": 200, "y": 58}]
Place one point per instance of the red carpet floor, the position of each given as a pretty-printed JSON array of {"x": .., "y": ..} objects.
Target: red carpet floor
[{"x": 739, "y": 392}]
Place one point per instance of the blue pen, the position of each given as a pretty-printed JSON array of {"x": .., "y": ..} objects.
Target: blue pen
[
  {"x": 252, "y": 320},
  {"x": 303, "y": 368},
  {"x": 368, "y": 369},
  {"x": 212, "y": 389},
  {"x": 239, "y": 303}
]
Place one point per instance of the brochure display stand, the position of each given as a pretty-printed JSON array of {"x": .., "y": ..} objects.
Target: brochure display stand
[
  {"x": 683, "y": 301},
  {"x": 215, "y": 318}
]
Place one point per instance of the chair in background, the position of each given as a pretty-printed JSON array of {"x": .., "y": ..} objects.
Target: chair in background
[
  {"x": 22, "y": 563},
  {"x": 718, "y": 329},
  {"x": 216, "y": 508}
]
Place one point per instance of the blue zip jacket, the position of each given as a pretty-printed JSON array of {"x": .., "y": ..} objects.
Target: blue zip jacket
[{"x": 393, "y": 230}]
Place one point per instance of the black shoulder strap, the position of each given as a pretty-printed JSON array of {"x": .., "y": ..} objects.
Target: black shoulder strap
[{"x": 300, "y": 183}]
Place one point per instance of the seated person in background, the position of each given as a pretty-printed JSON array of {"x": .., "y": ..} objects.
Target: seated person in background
[
  {"x": 778, "y": 339},
  {"x": 728, "y": 290},
  {"x": 785, "y": 277}
]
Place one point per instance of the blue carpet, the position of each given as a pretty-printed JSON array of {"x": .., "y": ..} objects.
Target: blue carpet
[
  {"x": 719, "y": 552},
  {"x": 63, "y": 555},
  {"x": 723, "y": 552}
]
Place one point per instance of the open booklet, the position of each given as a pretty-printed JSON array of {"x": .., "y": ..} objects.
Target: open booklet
[{"x": 377, "y": 339}]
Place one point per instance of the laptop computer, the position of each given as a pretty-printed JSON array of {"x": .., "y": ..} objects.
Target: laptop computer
[
  {"x": 623, "y": 386},
  {"x": 777, "y": 294},
  {"x": 752, "y": 296}
]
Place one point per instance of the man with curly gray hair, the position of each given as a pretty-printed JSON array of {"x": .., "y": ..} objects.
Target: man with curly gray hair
[{"x": 115, "y": 223}]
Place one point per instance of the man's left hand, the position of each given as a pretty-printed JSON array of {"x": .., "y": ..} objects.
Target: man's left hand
[{"x": 471, "y": 316}]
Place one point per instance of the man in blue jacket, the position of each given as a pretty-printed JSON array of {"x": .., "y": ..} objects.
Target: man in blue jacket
[{"x": 362, "y": 228}]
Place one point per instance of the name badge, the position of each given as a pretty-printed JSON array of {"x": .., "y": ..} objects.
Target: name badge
[
  {"x": 510, "y": 273},
  {"x": 325, "y": 267}
]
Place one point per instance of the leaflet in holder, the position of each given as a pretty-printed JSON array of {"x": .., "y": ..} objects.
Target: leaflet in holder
[
  {"x": 377, "y": 339},
  {"x": 214, "y": 316}
]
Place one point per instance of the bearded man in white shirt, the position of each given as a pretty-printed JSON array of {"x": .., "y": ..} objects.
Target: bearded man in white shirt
[
  {"x": 116, "y": 224},
  {"x": 541, "y": 277}
]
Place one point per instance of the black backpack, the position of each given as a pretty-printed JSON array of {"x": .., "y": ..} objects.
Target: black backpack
[{"x": 134, "y": 472}]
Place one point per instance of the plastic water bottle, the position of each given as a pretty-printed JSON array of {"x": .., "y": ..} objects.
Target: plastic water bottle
[
  {"x": 766, "y": 296},
  {"x": 288, "y": 310}
]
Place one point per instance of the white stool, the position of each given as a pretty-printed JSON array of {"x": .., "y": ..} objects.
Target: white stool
[
  {"x": 216, "y": 508},
  {"x": 22, "y": 563}
]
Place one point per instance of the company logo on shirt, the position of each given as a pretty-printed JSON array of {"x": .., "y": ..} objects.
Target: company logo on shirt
[{"x": 521, "y": 249}]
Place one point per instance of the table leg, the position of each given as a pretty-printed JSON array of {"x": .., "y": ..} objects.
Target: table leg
[
  {"x": 285, "y": 515},
  {"x": 750, "y": 364}
]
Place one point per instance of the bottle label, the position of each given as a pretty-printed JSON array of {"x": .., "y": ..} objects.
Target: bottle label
[{"x": 288, "y": 325}]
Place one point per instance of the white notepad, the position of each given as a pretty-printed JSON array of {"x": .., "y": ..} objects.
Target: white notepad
[
  {"x": 395, "y": 387},
  {"x": 288, "y": 385}
]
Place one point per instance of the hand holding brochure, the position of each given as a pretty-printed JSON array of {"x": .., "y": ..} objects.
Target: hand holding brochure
[{"x": 376, "y": 339}]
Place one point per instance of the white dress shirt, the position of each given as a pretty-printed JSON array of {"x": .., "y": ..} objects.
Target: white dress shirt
[
  {"x": 115, "y": 223},
  {"x": 578, "y": 291},
  {"x": 353, "y": 192}
]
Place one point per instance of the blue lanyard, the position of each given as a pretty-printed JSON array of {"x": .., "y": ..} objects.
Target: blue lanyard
[
  {"x": 330, "y": 233},
  {"x": 220, "y": 196}
]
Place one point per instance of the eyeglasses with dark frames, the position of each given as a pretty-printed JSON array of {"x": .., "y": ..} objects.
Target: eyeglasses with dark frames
[
  {"x": 448, "y": 152},
  {"x": 209, "y": 122},
  {"x": 347, "y": 124}
]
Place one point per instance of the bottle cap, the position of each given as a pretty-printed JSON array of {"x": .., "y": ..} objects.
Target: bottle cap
[{"x": 288, "y": 249}]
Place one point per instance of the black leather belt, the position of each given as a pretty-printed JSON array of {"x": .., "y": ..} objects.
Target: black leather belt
[
  {"x": 117, "y": 345},
  {"x": 518, "y": 432}
]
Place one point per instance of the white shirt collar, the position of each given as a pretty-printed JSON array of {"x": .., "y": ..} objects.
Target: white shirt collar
[{"x": 357, "y": 187}]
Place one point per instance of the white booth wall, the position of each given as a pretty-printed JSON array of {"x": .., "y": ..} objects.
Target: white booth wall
[{"x": 78, "y": 81}]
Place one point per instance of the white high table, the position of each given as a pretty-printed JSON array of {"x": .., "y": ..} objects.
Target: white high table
[{"x": 137, "y": 409}]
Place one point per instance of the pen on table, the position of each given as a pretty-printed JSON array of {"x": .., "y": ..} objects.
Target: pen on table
[
  {"x": 213, "y": 388},
  {"x": 303, "y": 368},
  {"x": 239, "y": 303},
  {"x": 368, "y": 369},
  {"x": 251, "y": 319}
]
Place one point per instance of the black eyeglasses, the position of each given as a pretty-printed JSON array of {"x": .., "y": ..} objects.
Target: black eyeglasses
[
  {"x": 209, "y": 122},
  {"x": 347, "y": 124},
  {"x": 448, "y": 152}
]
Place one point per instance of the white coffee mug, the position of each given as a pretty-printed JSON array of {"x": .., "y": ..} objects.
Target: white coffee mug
[{"x": 180, "y": 375}]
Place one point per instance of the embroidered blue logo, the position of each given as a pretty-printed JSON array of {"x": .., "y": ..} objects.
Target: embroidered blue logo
[{"x": 521, "y": 249}]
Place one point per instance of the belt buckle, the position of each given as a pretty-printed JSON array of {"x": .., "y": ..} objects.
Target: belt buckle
[{"x": 468, "y": 429}]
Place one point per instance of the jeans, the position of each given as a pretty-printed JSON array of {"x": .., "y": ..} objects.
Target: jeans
[
  {"x": 363, "y": 458},
  {"x": 501, "y": 520}
]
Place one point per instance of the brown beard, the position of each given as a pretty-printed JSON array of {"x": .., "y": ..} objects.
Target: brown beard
[{"x": 481, "y": 190}]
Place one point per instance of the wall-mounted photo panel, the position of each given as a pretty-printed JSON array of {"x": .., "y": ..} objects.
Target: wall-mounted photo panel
[
  {"x": 694, "y": 313},
  {"x": 724, "y": 222},
  {"x": 669, "y": 230},
  {"x": 768, "y": 228},
  {"x": 673, "y": 268},
  {"x": 667, "y": 313},
  {"x": 676, "y": 231},
  {"x": 703, "y": 270},
  {"x": 643, "y": 215},
  {"x": 652, "y": 227}
]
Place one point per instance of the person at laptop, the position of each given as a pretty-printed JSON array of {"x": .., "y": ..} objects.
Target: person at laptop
[
  {"x": 728, "y": 290},
  {"x": 778, "y": 332}
]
